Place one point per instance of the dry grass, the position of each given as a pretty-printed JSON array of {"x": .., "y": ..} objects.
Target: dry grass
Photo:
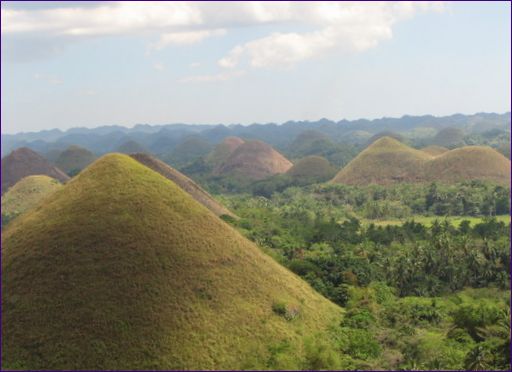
[
  {"x": 389, "y": 161},
  {"x": 434, "y": 150},
  {"x": 122, "y": 269}
]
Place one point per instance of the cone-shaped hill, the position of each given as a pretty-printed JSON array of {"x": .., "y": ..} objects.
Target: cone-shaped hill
[
  {"x": 312, "y": 167},
  {"x": 385, "y": 161},
  {"x": 434, "y": 150},
  {"x": 222, "y": 151},
  {"x": 389, "y": 161},
  {"x": 24, "y": 162},
  {"x": 253, "y": 160},
  {"x": 122, "y": 269},
  {"x": 26, "y": 194},
  {"x": 74, "y": 159},
  {"x": 184, "y": 182},
  {"x": 468, "y": 163}
]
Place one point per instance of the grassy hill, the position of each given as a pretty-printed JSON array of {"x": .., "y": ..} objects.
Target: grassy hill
[
  {"x": 383, "y": 162},
  {"x": 223, "y": 150},
  {"x": 253, "y": 160},
  {"x": 74, "y": 159},
  {"x": 449, "y": 137},
  {"x": 434, "y": 150},
  {"x": 312, "y": 167},
  {"x": 389, "y": 161},
  {"x": 184, "y": 182},
  {"x": 26, "y": 194},
  {"x": 469, "y": 162},
  {"x": 24, "y": 162},
  {"x": 132, "y": 273}
]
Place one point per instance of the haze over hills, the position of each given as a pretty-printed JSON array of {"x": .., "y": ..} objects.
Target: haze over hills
[
  {"x": 24, "y": 162},
  {"x": 144, "y": 277},
  {"x": 223, "y": 150},
  {"x": 389, "y": 161},
  {"x": 26, "y": 194},
  {"x": 160, "y": 139},
  {"x": 254, "y": 160},
  {"x": 184, "y": 182}
]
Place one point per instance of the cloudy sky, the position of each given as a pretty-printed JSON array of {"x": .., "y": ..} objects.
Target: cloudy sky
[{"x": 67, "y": 64}]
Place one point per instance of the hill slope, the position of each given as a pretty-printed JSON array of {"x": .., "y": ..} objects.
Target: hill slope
[
  {"x": 26, "y": 194},
  {"x": 434, "y": 150},
  {"x": 144, "y": 277},
  {"x": 222, "y": 151},
  {"x": 383, "y": 162},
  {"x": 74, "y": 159},
  {"x": 24, "y": 162},
  {"x": 184, "y": 182},
  {"x": 388, "y": 161},
  {"x": 254, "y": 160},
  {"x": 312, "y": 167}
]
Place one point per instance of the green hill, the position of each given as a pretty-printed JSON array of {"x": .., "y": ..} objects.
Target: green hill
[
  {"x": 312, "y": 167},
  {"x": 184, "y": 182},
  {"x": 132, "y": 273},
  {"x": 74, "y": 159},
  {"x": 389, "y": 161},
  {"x": 383, "y": 162},
  {"x": 26, "y": 194},
  {"x": 449, "y": 137},
  {"x": 130, "y": 147}
]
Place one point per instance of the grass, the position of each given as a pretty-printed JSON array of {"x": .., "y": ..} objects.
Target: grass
[
  {"x": 122, "y": 269},
  {"x": 26, "y": 194},
  {"x": 428, "y": 220},
  {"x": 389, "y": 161}
]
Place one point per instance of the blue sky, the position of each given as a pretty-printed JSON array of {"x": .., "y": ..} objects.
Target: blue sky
[{"x": 67, "y": 64}]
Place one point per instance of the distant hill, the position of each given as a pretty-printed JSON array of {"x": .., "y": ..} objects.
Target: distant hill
[
  {"x": 468, "y": 163},
  {"x": 253, "y": 160},
  {"x": 24, "y": 162},
  {"x": 26, "y": 194},
  {"x": 74, "y": 159},
  {"x": 434, "y": 150},
  {"x": 184, "y": 182},
  {"x": 223, "y": 150},
  {"x": 130, "y": 147},
  {"x": 188, "y": 150},
  {"x": 387, "y": 133},
  {"x": 385, "y": 161},
  {"x": 146, "y": 278},
  {"x": 449, "y": 137},
  {"x": 389, "y": 161},
  {"x": 312, "y": 167}
]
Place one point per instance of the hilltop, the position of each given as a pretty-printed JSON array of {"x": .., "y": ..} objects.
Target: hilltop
[
  {"x": 24, "y": 162},
  {"x": 389, "y": 161},
  {"x": 74, "y": 159},
  {"x": 254, "y": 160},
  {"x": 223, "y": 150},
  {"x": 312, "y": 167},
  {"x": 385, "y": 161},
  {"x": 144, "y": 277},
  {"x": 26, "y": 194},
  {"x": 184, "y": 182},
  {"x": 449, "y": 137}
]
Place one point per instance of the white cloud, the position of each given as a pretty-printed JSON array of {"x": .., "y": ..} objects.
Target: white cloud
[
  {"x": 346, "y": 26},
  {"x": 159, "y": 66},
  {"x": 222, "y": 76},
  {"x": 185, "y": 38},
  {"x": 50, "y": 79}
]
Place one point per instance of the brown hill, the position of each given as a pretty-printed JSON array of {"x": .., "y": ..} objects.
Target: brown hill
[
  {"x": 253, "y": 160},
  {"x": 434, "y": 150},
  {"x": 196, "y": 191},
  {"x": 389, "y": 161},
  {"x": 383, "y": 162},
  {"x": 222, "y": 151},
  {"x": 24, "y": 162},
  {"x": 469, "y": 163}
]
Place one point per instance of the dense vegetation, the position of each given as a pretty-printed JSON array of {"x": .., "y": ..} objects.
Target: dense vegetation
[{"x": 417, "y": 296}]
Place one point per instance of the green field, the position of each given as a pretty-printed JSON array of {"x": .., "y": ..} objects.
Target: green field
[{"x": 428, "y": 220}]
